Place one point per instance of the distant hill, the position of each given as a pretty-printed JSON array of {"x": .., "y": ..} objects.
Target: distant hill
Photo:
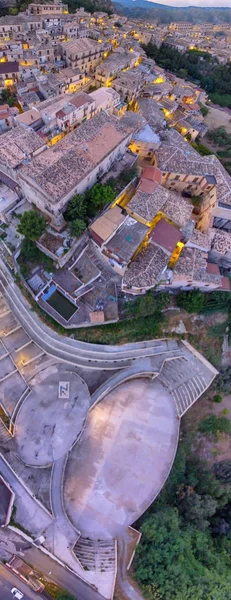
[
  {"x": 90, "y": 5},
  {"x": 165, "y": 14}
]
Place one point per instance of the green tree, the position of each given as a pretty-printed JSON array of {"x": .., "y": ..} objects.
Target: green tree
[
  {"x": 32, "y": 225},
  {"x": 100, "y": 195},
  {"x": 198, "y": 509},
  {"x": 76, "y": 208},
  {"x": 7, "y": 96},
  {"x": 29, "y": 250},
  {"x": 13, "y": 11},
  {"x": 215, "y": 424},
  {"x": 192, "y": 301},
  {"x": 183, "y": 562},
  {"x": 77, "y": 227}
]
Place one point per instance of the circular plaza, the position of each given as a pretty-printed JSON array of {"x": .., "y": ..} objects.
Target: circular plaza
[{"x": 51, "y": 416}]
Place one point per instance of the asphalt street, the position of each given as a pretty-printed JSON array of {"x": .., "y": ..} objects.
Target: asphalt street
[
  {"x": 60, "y": 575},
  {"x": 93, "y": 356},
  {"x": 8, "y": 581}
]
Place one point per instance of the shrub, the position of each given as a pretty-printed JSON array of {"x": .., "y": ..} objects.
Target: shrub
[
  {"x": 214, "y": 424},
  {"x": 192, "y": 301},
  {"x": 217, "y": 398}
]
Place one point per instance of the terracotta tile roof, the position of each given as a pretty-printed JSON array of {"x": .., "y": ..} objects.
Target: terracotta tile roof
[
  {"x": 192, "y": 264},
  {"x": 213, "y": 269},
  {"x": 221, "y": 242},
  {"x": 165, "y": 235},
  {"x": 148, "y": 186},
  {"x": 81, "y": 99},
  {"x": 145, "y": 270},
  {"x": 152, "y": 173},
  {"x": 147, "y": 205},
  {"x": 97, "y": 316},
  {"x": 225, "y": 284},
  {"x": 58, "y": 170}
]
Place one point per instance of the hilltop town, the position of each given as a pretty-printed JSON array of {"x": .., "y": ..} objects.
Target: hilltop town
[
  {"x": 115, "y": 206},
  {"x": 84, "y": 112}
]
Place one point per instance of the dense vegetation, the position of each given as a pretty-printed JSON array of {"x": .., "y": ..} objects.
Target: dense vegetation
[
  {"x": 186, "y": 534},
  {"x": 8, "y": 97},
  {"x": 30, "y": 255},
  {"x": 220, "y": 137},
  {"x": 32, "y": 225},
  {"x": 199, "y": 67},
  {"x": 196, "y": 301},
  {"x": 83, "y": 207}
]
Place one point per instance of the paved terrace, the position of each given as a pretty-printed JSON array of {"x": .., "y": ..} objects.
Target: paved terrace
[{"x": 122, "y": 460}]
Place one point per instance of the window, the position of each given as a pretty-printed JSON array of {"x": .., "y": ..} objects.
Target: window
[
  {"x": 177, "y": 177},
  {"x": 195, "y": 179}
]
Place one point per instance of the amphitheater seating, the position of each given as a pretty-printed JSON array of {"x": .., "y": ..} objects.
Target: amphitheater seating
[
  {"x": 96, "y": 555},
  {"x": 4, "y": 434},
  {"x": 184, "y": 380}
]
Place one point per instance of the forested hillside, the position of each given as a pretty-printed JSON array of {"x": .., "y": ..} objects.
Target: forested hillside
[
  {"x": 199, "y": 67},
  {"x": 185, "y": 550}
]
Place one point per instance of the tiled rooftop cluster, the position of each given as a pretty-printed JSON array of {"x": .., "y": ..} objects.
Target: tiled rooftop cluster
[
  {"x": 221, "y": 242},
  {"x": 161, "y": 199},
  {"x": 193, "y": 264},
  {"x": 60, "y": 169},
  {"x": 146, "y": 269},
  {"x": 202, "y": 240},
  {"x": 18, "y": 144},
  {"x": 55, "y": 55}
]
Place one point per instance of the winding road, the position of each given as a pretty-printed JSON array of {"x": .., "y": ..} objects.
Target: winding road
[{"x": 83, "y": 354}]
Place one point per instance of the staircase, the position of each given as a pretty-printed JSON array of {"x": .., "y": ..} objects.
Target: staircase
[
  {"x": 184, "y": 381},
  {"x": 96, "y": 555}
]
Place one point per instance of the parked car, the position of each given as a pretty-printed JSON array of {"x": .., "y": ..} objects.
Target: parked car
[{"x": 17, "y": 594}]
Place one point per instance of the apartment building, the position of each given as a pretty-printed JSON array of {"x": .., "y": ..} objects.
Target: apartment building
[
  {"x": 46, "y": 9},
  {"x": 74, "y": 164},
  {"x": 79, "y": 109},
  {"x": 75, "y": 29},
  {"x": 8, "y": 74},
  {"x": 83, "y": 54},
  {"x": 64, "y": 81},
  {"x": 113, "y": 65},
  {"x": 105, "y": 99},
  {"x": 129, "y": 84},
  {"x": 11, "y": 26}
]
